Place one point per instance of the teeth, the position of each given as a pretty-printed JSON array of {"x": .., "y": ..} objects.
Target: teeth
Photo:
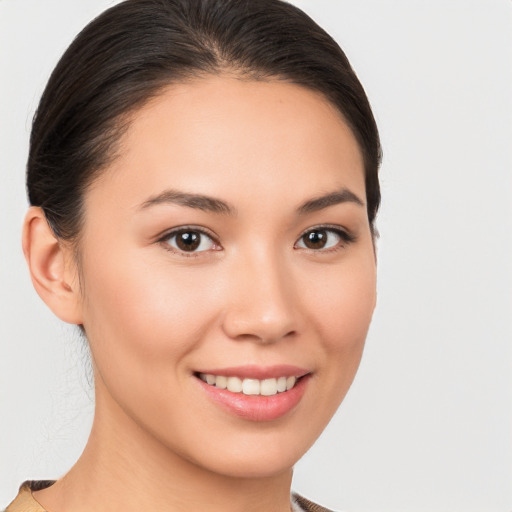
[
  {"x": 266, "y": 387},
  {"x": 290, "y": 382},
  {"x": 251, "y": 387},
  {"x": 234, "y": 384},
  {"x": 221, "y": 382},
  {"x": 269, "y": 386}
]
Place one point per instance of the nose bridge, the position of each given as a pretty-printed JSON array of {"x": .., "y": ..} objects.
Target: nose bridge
[{"x": 262, "y": 305}]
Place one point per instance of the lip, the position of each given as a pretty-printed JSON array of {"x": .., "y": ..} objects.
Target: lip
[{"x": 258, "y": 408}]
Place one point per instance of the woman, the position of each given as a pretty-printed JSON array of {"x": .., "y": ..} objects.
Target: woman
[{"x": 203, "y": 182}]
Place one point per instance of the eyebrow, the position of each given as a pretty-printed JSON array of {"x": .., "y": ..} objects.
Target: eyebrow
[
  {"x": 211, "y": 204},
  {"x": 319, "y": 203},
  {"x": 197, "y": 201}
]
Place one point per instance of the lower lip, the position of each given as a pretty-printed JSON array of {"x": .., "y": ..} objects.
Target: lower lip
[{"x": 257, "y": 407}]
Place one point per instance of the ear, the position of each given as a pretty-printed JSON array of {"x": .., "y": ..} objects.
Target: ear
[{"x": 52, "y": 267}]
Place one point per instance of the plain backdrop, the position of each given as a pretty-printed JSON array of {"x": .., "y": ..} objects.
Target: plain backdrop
[{"x": 427, "y": 425}]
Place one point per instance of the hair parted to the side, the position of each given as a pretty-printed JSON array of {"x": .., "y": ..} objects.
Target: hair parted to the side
[{"x": 135, "y": 49}]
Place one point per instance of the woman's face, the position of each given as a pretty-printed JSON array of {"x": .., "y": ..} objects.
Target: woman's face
[{"x": 229, "y": 242}]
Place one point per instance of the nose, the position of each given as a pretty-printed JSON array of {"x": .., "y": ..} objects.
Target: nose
[{"x": 262, "y": 304}]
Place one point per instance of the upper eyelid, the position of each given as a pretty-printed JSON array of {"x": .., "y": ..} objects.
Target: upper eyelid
[
  {"x": 332, "y": 227},
  {"x": 205, "y": 231},
  {"x": 172, "y": 231},
  {"x": 167, "y": 234},
  {"x": 347, "y": 236}
]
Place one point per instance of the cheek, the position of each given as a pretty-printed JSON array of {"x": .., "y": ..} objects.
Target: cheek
[
  {"x": 344, "y": 306},
  {"x": 146, "y": 310},
  {"x": 143, "y": 320}
]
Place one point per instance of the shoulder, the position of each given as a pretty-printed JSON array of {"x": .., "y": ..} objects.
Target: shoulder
[
  {"x": 302, "y": 504},
  {"x": 24, "y": 501}
]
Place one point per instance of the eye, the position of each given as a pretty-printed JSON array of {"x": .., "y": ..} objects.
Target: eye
[
  {"x": 189, "y": 240},
  {"x": 323, "y": 238}
]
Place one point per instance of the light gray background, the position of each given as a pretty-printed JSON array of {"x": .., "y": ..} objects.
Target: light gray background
[{"x": 427, "y": 425}]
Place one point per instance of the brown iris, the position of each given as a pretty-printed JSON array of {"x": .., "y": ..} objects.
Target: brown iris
[
  {"x": 188, "y": 240},
  {"x": 315, "y": 239}
]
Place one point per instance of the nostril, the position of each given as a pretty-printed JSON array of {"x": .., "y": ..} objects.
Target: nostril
[{"x": 265, "y": 338}]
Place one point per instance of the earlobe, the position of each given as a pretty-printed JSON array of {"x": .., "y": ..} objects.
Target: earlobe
[{"x": 51, "y": 267}]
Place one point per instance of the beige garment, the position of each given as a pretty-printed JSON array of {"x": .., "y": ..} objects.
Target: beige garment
[{"x": 25, "y": 502}]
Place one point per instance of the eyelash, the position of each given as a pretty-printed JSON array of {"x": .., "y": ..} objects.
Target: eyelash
[
  {"x": 346, "y": 238},
  {"x": 164, "y": 240}
]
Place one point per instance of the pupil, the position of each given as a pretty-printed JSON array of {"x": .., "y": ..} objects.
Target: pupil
[
  {"x": 188, "y": 240},
  {"x": 316, "y": 239}
]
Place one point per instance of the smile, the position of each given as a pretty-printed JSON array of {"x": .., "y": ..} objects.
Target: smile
[
  {"x": 255, "y": 393},
  {"x": 265, "y": 387}
]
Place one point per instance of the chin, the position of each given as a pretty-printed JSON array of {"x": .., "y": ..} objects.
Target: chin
[
  {"x": 260, "y": 456},
  {"x": 265, "y": 464}
]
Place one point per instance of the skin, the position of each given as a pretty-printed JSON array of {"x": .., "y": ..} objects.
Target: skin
[{"x": 256, "y": 294}]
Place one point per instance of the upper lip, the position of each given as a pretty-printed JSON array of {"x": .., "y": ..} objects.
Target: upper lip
[{"x": 258, "y": 372}]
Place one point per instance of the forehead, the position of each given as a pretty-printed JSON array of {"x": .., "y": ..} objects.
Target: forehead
[{"x": 228, "y": 137}]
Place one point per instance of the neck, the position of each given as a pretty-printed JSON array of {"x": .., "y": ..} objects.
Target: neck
[{"x": 125, "y": 468}]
